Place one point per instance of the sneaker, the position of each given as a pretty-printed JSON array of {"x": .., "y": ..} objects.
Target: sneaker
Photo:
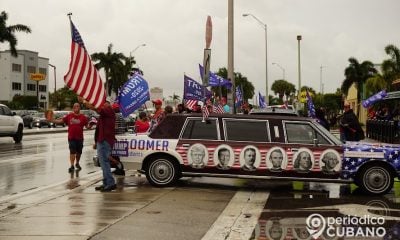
[
  {"x": 99, "y": 188},
  {"x": 71, "y": 169},
  {"x": 109, "y": 189},
  {"x": 78, "y": 167}
]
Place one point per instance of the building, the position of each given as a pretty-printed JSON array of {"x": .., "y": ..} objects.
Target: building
[{"x": 16, "y": 78}]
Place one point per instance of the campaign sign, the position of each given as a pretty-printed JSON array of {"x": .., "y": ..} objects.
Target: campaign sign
[
  {"x": 133, "y": 94},
  {"x": 194, "y": 90}
]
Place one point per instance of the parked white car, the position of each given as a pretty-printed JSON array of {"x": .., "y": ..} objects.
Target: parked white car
[{"x": 11, "y": 125}]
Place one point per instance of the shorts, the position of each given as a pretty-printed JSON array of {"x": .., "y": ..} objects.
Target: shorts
[{"x": 75, "y": 146}]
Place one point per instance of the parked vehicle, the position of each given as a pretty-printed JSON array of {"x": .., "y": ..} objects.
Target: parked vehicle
[
  {"x": 27, "y": 116},
  {"x": 39, "y": 120},
  {"x": 11, "y": 125},
  {"x": 58, "y": 115},
  {"x": 256, "y": 146}
]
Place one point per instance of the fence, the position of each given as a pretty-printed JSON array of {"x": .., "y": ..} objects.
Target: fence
[{"x": 383, "y": 130}]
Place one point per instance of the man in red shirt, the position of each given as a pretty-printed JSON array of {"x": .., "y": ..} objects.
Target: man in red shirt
[
  {"x": 75, "y": 122},
  {"x": 104, "y": 144}
]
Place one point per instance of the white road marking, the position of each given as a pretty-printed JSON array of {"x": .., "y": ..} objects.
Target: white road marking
[{"x": 239, "y": 218}]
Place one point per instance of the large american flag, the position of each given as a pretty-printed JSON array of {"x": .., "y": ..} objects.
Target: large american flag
[{"x": 82, "y": 76}]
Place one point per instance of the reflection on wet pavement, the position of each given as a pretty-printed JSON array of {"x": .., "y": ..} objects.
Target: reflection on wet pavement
[{"x": 287, "y": 213}]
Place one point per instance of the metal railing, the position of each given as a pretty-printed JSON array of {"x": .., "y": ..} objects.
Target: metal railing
[{"x": 383, "y": 130}]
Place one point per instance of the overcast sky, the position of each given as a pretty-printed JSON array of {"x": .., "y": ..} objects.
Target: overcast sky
[{"x": 173, "y": 31}]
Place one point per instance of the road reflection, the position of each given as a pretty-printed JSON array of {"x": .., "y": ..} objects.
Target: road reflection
[{"x": 287, "y": 210}]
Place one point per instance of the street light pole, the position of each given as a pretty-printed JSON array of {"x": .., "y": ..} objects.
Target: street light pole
[
  {"x": 321, "y": 89},
  {"x": 55, "y": 78},
  {"x": 266, "y": 53},
  {"x": 283, "y": 70},
  {"x": 299, "y": 68},
  {"x": 136, "y": 48}
]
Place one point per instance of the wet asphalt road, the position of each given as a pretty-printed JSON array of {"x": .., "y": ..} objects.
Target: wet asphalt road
[
  {"x": 40, "y": 200},
  {"x": 39, "y": 160}
]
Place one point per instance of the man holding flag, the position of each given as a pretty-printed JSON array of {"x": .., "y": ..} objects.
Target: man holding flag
[{"x": 84, "y": 80}]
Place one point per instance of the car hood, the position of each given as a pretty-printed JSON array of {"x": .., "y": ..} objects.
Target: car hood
[{"x": 361, "y": 150}]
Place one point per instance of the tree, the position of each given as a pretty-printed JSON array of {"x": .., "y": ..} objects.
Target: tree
[
  {"x": 357, "y": 73},
  {"x": 7, "y": 33},
  {"x": 114, "y": 67},
  {"x": 375, "y": 84},
  {"x": 391, "y": 67},
  {"x": 240, "y": 80},
  {"x": 175, "y": 98},
  {"x": 283, "y": 87}
]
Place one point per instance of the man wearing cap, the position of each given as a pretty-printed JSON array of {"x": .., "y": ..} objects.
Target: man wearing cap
[{"x": 158, "y": 110}]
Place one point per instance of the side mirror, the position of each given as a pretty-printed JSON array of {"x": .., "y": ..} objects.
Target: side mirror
[
  {"x": 13, "y": 113},
  {"x": 315, "y": 142}
]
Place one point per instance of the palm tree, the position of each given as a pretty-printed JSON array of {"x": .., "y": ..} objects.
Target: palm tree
[
  {"x": 391, "y": 67},
  {"x": 175, "y": 98},
  {"x": 282, "y": 88},
  {"x": 114, "y": 68},
  {"x": 240, "y": 80},
  {"x": 357, "y": 73},
  {"x": 7, "y": 33}
]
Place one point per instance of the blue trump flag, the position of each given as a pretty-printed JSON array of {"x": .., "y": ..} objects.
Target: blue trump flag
[
  {"x": 261, "y": 101},
  {"x": 373, "y": 99},
  {"x": 215, "y": 80},
  {"x": 239, "y": 97},
  {"x": 192, "y": 90},
  {"x": 133, "y": 94},
  {"x": 310, "y": 105}
]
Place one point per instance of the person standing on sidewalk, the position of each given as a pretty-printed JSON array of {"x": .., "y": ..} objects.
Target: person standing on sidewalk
[
  {"x": 350, "y": 126},
  {"x": 75, "y": 122},
  {"x": 104, "y": 144}
]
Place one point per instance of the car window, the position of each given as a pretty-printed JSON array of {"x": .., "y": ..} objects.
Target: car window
[
  {"x": 1, "y": 111},
  {"x": 6, "y": 111},
  {"x": 246, "y": 130},
  {"x": 197, "y": 129},
  {"x": 303, "y": 133}
]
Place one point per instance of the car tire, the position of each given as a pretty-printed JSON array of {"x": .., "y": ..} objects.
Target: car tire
[
  {"x": 162, "y": 171},
  {"x": 18, "y": 135},
  {"x": 376, "y": 180}
]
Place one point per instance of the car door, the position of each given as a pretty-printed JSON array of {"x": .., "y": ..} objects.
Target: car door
[
  {"x": 6, "y": 121},
  {"x": 308, "y": 150},
  {"x": 197, "y": 143},
  {"x": 248, "y": 139}
]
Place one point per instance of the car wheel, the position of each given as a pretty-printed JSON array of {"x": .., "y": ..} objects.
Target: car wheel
[
  {"x": 18, "y": 136},
  {"x": 162, "y": 172},
  {"x": 376, "y": 180}
]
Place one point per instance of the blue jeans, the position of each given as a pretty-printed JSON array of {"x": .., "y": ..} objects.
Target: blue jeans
[{"x": 104, "y": 151}]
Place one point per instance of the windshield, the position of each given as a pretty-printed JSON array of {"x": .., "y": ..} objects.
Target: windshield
[{"x": 328, "y": 134}]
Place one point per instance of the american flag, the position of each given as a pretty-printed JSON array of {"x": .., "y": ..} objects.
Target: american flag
[
  {"x": 205, "y": 111},
  {"x": 218, "y": 108},
  {"x": 82, "y": 77},
  {"x": 191, "y": 103}
]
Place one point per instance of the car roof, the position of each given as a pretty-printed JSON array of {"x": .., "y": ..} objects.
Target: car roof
[
  {"x": 171, "y": 126},
  {"x": 274, "y": 111}
]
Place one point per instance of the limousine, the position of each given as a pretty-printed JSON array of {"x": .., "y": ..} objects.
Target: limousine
[{"x": 256, "y": 146}]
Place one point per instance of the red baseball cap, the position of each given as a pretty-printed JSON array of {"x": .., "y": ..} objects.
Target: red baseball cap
[
  {"x": 115, "y": 106},
  {"x": 157, "y": 102}
]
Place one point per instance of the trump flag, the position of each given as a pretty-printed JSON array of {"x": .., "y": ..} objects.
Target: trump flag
[
  {"x": 192, "y": 90},
  {"x": 82, "y": 77},
  {"x": 133, "y": 94}
]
